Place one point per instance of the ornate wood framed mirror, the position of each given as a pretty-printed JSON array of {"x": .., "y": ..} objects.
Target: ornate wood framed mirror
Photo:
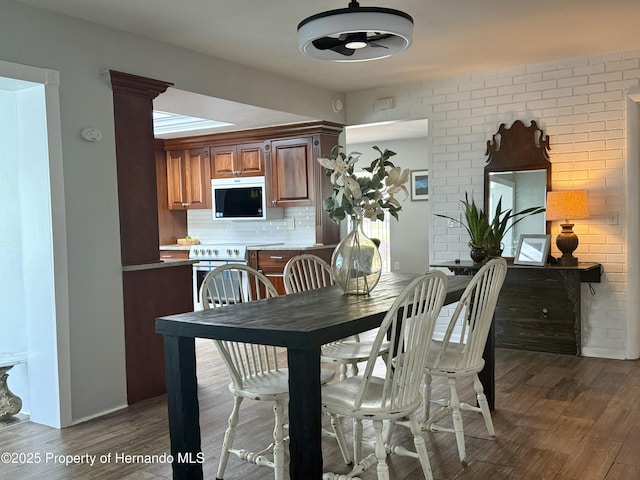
[{"x": 518, "y": 171}]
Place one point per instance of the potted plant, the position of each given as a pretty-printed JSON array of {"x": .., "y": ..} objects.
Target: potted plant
[
  {"x": 476, "y": 225},
  {"x": 501, "y": 224}
]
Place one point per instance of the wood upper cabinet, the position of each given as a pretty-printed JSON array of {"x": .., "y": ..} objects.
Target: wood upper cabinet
[
  {"x": 292, "y": 172},
  {"x": 244, "y": 160},
  {"x": 188, "y": 179}
]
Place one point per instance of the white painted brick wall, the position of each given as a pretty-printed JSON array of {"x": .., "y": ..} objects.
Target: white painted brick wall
[{"x": 581, "y": 104}]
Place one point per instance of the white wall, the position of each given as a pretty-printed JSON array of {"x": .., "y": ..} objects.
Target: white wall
[
  {"x": 80, "y": 52},
  {"x": 410, "y": 234},
  {"x": 581, "y": 104}
]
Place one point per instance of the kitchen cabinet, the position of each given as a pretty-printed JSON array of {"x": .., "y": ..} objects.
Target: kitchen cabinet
[
  {"x": 292, "y": 171},
  {"x": 271, "y": 262},
  {"x": 188, "y": 179},
  {"x": 244, "y": 160},
  {"x": 287, "y": 157}
]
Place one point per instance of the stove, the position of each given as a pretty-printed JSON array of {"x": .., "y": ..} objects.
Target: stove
[
  {"x": 210, "y": 256},
  {"x": 226, "y": 252}
]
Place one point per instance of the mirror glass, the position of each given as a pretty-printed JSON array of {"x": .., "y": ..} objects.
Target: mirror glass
[{"x": 519, "y": 190}]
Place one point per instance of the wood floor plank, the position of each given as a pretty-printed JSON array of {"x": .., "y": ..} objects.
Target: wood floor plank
[{"x": 557, "y": 417}]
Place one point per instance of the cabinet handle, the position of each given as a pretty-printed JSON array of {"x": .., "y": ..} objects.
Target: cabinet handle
[{"x": 273, "y": 257}]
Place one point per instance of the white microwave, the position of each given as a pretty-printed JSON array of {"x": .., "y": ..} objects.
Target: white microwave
[{"x": 241, "y": 198}]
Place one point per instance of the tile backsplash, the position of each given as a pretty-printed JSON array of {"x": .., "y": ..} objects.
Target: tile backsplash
[{"x": 296, "y": 228}]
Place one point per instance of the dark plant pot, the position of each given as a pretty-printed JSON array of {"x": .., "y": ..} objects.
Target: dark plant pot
[
  {"x": 494, "y": 252},
  {"x": 478, "y": 254}
]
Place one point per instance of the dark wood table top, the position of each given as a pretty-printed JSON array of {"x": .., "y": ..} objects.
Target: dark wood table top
[{"x": 310, "y": 318}]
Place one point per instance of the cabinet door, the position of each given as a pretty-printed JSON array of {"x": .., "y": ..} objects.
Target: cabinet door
[
  {"x": 222, "y": 161},
  {"x": 176, "y": 175},
  {"x": 198, "y": 179},
  {"x": 250, "y": 159},
  {"x": 292, "y": 172}
]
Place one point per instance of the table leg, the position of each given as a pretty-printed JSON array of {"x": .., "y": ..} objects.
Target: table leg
[
  {"x": 487, "y": 374},
  {"x": 182, "y": 402},
  {"x": 305, "y": 414}
]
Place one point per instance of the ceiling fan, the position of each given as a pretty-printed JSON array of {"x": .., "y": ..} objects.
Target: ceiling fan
[{"x": 355, "y": 33}]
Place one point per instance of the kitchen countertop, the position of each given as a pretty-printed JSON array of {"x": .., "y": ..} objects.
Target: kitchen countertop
[
  {"x": 184, "y": 248},
  {"x": 159, "y": 264},
  {"x": 284, "y": 246}
]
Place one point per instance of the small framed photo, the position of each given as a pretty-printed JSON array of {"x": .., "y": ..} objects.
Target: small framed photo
[
  {"x": 419, "y": 185},
  {"x": 532, "y": 250}
]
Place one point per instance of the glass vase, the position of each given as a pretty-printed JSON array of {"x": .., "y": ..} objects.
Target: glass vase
[{"x": 356, "y": 262}]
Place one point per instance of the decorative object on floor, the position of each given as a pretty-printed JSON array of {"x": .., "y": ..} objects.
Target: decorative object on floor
[
  {"x": 477, "y": 226},
  {"x": 503, "y": 221},
  {"x": 532, "y": 250},
  {"x": 356, "y": 262},
  {"x": 10, "y": 403},
  {"x": 419, "y": 185},
  {"x": 355, "y": 33},
  {"x": 565, "y": 205}
]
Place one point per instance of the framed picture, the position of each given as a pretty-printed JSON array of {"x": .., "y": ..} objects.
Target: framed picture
[
  {"x": 532, "y": 250},
  {"x": 419, "y": 184}
]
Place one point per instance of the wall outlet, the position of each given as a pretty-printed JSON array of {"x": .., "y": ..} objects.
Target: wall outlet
[
  {"x": 612, "y": 219},
  {"x": 396, "y": 266},
  {"x": 451, "y": 223}
]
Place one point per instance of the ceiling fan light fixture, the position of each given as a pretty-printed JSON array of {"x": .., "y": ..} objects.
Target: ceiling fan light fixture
[
  {"x": 355, "y": 45},
  {"x": 355, "y": 33}
]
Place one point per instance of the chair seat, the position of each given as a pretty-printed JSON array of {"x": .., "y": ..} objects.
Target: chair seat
[
  {"x": 339, "y": 398},
  {"x": 448, "y": 363},
  {"x": 272, "y": 385},
  {"x": 350, "y": 351}
]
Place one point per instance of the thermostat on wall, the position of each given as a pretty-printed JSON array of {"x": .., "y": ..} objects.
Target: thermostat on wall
[{"x": 91, "y": 134}]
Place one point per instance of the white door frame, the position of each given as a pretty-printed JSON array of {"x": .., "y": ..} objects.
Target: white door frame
[
  {"x": 633, "y": 223},
  {"x": 50, "y": 366}
]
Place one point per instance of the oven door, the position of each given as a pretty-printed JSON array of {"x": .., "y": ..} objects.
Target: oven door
[{"x": 200, "y": 271}]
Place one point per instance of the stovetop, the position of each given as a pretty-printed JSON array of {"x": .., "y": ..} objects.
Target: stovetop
[{"x": 220, "y": 251}]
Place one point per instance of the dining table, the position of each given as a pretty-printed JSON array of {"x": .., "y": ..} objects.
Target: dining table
[{"x": 300, "y": 322}]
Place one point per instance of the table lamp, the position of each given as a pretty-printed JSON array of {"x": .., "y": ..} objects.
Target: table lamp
[{"x": 567, "y": 205}]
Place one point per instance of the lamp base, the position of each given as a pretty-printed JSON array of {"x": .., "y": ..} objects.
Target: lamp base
[
  {"x": 567, "y": 242},
  {"x": 567, "y": 261}
]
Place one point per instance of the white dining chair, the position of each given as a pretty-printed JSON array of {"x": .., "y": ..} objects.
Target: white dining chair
[
  {"x": 389, "y": 393},
  {"x": 257, "y": 371},
  {"x": 307, "y": 272},
  {"x": 459, "y": 353}
]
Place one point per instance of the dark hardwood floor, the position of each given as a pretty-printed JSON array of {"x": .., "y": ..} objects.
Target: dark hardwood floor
[{"x": 557, "y": 417}]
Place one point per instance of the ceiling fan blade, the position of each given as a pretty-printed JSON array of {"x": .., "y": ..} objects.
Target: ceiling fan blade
[
  {"x": 374, "y": 44},
  {"x": 342, "y": 50},
  {"x": 326, "y": 43}
]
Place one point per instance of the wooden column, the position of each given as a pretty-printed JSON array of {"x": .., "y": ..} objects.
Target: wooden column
[
  {"x": 150, "y": 289},
  {"x": 135, "y": 158}
]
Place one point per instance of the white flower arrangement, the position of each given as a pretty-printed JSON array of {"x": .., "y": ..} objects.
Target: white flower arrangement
[{"x": 363, "y": 196}]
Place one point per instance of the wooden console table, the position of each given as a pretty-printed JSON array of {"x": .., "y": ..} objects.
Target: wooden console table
[{"x": 539, "y": 307}]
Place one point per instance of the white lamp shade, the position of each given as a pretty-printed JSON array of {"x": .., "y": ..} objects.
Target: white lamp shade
[{"x": 567, "y": 205}]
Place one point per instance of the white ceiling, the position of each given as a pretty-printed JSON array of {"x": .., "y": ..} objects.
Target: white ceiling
[{"x": 451, "y": 37}]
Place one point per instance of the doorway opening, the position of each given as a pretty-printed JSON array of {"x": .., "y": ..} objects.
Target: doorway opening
[{"x": 34, "y": 282}]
